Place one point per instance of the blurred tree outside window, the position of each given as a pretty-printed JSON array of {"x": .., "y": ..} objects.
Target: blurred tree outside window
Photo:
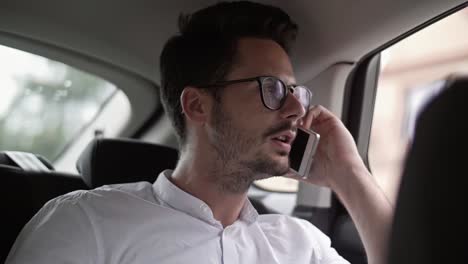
[{"x": 45, "y": 104}]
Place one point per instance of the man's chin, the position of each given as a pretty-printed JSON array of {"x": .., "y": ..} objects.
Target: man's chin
[
  {"x": 279, "y": 165},
  {"x": 268, "y": 164},
  {"x": 281, "y": 158},
  {"x": 273, "y": 173}
]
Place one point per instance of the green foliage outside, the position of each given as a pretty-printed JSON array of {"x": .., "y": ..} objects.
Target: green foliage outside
[{"x": 47, "y": 113}]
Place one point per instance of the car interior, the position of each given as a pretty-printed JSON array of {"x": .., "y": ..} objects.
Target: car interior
[{"x": 339, "y": 55}]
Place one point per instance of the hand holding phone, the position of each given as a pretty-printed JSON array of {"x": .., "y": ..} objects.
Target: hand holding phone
[{"x": 302, "y": 151}]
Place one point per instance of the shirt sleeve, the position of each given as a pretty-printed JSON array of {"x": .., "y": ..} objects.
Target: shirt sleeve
[{"x": 61, "y": 232}]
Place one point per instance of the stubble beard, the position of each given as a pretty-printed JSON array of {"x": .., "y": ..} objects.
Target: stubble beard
[{"x": 233, "y": 171}]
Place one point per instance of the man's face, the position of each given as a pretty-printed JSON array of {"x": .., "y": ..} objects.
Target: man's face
[{"x": 244, "y": 132}]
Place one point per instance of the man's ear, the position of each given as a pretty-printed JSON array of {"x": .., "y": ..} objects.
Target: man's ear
[{"x": 195, "y": 104}]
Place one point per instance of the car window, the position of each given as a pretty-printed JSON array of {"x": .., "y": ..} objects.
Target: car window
[
  {"x": 46, "y": 105},
  {"x": 412, "y": 72}
]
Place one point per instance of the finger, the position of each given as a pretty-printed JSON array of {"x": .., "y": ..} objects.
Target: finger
[{"x": 316, "y": 115}]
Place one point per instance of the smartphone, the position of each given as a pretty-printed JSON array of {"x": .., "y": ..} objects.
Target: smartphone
[{"x": 302, "y": 151}]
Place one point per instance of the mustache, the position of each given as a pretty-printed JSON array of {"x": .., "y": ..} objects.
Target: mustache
[{"x": 285, "y": 126}]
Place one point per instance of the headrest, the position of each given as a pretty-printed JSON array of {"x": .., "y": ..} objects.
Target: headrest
[
  {"x": 111, "y": 161},
  {"x": 25, "y": 160},
  {"x": 429, "y": 226}
]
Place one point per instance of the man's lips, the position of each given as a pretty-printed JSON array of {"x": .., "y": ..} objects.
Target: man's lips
[
  {"x": 281, "y": 145},
  {"x": 286, "y": 137},
  {"x": 283, "y": 140}
]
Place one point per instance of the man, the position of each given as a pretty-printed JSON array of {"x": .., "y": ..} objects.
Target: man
[{"x": 228, "y": 86}]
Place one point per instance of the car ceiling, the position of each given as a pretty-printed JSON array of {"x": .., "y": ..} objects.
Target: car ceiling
[{"x": 130, "y": 34}]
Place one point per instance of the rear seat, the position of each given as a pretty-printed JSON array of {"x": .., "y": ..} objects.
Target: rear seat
[
  {"x": 110, "y": 161},
  {"x": 24, "y": 192}
]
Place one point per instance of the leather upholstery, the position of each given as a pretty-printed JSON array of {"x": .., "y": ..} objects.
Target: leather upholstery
[
  {"x": 23, "y": 194},
  {"x": 111, "y": 161}
]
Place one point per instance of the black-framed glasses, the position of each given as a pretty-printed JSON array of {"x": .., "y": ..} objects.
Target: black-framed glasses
[{"x": 273, "y": 91}]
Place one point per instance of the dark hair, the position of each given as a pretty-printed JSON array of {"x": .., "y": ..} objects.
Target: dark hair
[{"x": 204, "y": 51}]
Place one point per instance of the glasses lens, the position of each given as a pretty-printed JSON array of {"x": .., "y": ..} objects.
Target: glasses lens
[
  {"x": 303, "y": 95},
  {"x": 273, "y": 92}
]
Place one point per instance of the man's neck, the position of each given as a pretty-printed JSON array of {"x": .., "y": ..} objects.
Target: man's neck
[{"x": 194, "y": 177}]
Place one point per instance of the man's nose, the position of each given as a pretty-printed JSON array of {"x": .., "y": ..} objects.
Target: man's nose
[{"x": 292, "y": 108}]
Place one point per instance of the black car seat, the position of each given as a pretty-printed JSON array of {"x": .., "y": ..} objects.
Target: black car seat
[
  {"x": 28, "y": 181},
  {"x": 346, "y": 240},
  {"x": 110, "y": 161},
  {"x": 430, "y": 224}
]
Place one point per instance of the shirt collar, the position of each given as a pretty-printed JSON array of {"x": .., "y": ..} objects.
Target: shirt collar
[
  {"x": 180, "y": 200},
  {"x": 248, "y": 213}
]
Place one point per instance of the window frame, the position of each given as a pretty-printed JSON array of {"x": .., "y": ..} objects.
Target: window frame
[
  {"x": 141, "y": 93},
  {"x": 357, "y": 115},
  {"x": 362, "y": 84}
]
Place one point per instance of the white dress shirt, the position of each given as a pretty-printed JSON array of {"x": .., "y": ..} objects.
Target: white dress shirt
[{"x": 160, "y": 223}]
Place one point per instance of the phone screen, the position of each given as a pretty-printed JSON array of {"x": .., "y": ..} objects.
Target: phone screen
[{"x": 298, "y": 148}]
